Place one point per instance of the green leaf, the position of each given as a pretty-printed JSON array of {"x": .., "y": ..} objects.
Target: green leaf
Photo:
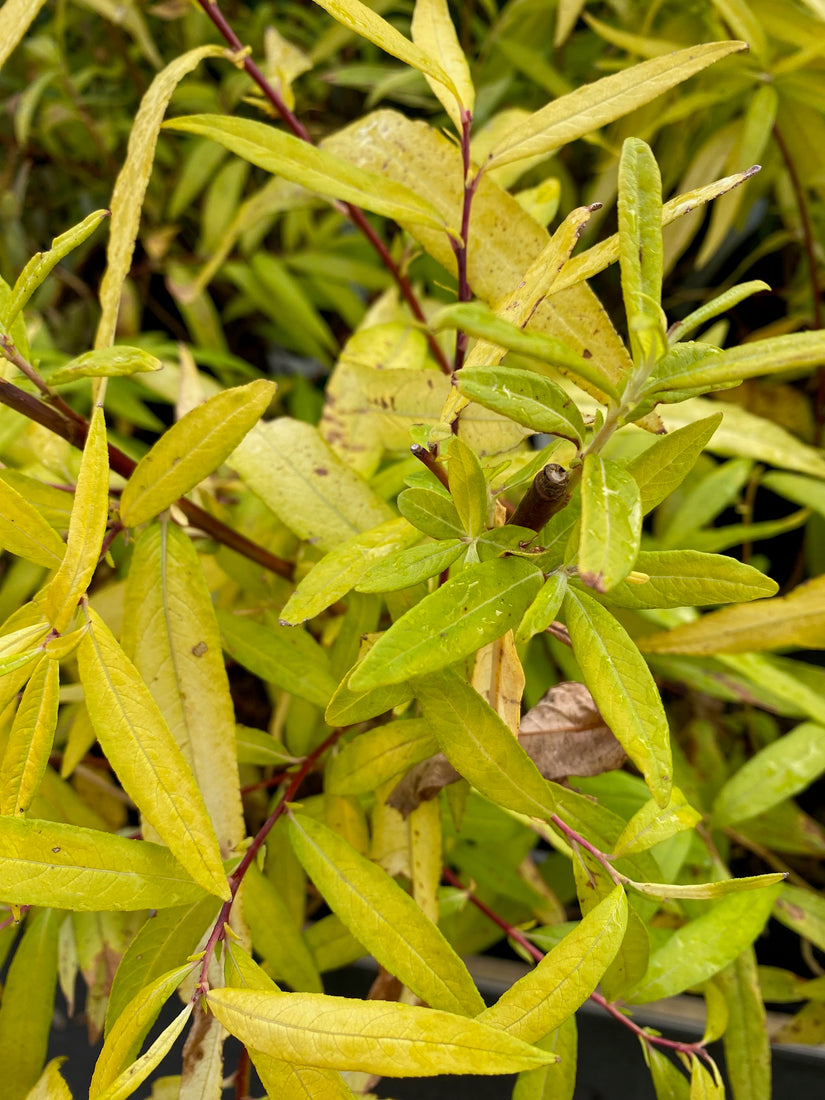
[
  {"x": 286, "y": 656},
  {"x": 792, "y": 620},
  {"x": 431, "y": 511},
  {"x": 746, "y": 1038},
  {"x": 433, "y": 31},
  {"x": 689, "y": 578},
  {"x": 552, "y": 1082},
  {"x": 139, "y": 745},
  {"x": 544, "y": 608},
  {"x": 668, "y": 1082},
  {"x": 275, "y": 936},
  {"x": 611, "y": 525},
  {"x": 468, "y": 487},
  {"x": 385, "y": 919},
  {"x": 641, "y": 250},
  {"x": 86, "y": 529},
  {"x": 664, "y": 465},
  {"x": 347, "y": 707},
  {"x": 623, "y": 688},
  {"x": 704, "y": 501},
  {"x": 258, "y": 747},
  {"x": 409, "y": 567},
  {"x": 722, "y": 303},
  {"x": 378, "y": 755},
  {"x": 46, "y": 863},
  {"x": 779, "y": 771},
  {"x": 804, "y": 913},
  {"x": 379, "y": 1037},
  {"x": 30, "y": 740},
  {"x": 705, "y": 945},
  {"x": 292, "y": 469},
  {"x": 24, "y": 531},
  {"x": 316, "y": 169},
  {"x": 594, "y": 105},
  {"x": 106, "y": 363},
  {"x": 480, "y": 745},
  {"x": 794, "y": 352},
  {"x": 471, "y": 609},
  {"x": 528, "y": 398},
  {"x": 28, "y": 1003},
  {"x": 805, "y": 491},
  {"x": 565, "y": 978},
  {"x": 192, "y": 449},
  {"x": 653, "y": 823}
]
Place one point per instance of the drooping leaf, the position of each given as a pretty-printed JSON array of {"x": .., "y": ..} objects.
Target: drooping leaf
[
  {"x": 611, "y": 524},
  {"x": 552, "y": 1082},
  {"x": 689, "y": 578},
  {"x": 668, "y": 1082},
  {"x": 16, "y": 17},
  {"x": 746, "y": 1039},
  {"x": 380, "y": 1037},
  {"x": 192, "y": 449},
  {"x": 140, "y": 747},
  {"x": 275, "y": 936},
  {"x": 721, "y": 888},
  {"x": 24, "y": 531},
  {"x": 623, "y": 688},
  {"x": 385, "y": 918},
  {"x": 106, "y": 363},
  {"x": 471, "y": 609},
  {"x": 433, "y": 31},
  {"x": 50, "y": 1085},
  {"x": 30, "y": 740},
  {"x": 133, "y": 1076}
]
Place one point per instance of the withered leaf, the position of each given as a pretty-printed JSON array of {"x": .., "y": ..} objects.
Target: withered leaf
[{"x": 563, "y": 734}]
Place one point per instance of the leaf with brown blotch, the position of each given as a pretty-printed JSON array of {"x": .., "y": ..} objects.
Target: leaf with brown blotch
[{"x": 563, "y": 734}]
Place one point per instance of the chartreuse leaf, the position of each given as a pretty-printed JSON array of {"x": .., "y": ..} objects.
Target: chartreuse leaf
[
  {"x": 286, "y": 656},
  {"x": 86, "y": 529},
  {"x": 565, "y": 978},
  {"x": 47, "y": 863},
  {"x": 381, "y": 1037},
  {"x": 705, "y": 945},
  {"x": 275, "y": 936},
  {"x": 705, "y": 1085},
  {"x": 408, "y": 567},
  {"x": 133, "y": 1076},
  {"x": 707, "y": 890},
  {"x": 473, "y": 608},
  {"x": 140, "y": 747},
  {"x": 258, "y": 747},
  {"x": 653, "y": 823},
  {"x": 623, "y": 688},
  {"x": 746, "y": 1039},
  {"x": 16, "y": 16},
  {"x": 468, "y": 487},
  {"x": 528, "y": 398},
  {"x": 544, "y": 608},
  {"x": 431, "y": 511},
  {"x": 347, "y": 707},
  {"x": 171, "y": 635},
  {"x": 714, "y": 308},
  {"x": 432, "y": 30},
  {"x": 552, "y": 1082},
  {"x": 804, "y": 913},
  {"x": 669, "y": 1083},
  {"x": 780, "y": 770},
  {"x": 30, "y": 740},
  {"x": 50, "y": 1085},
  {"x": 378, "y": 755},
  {"x": 125, "y": 1037},
  {"x": 641, "y": 250},
  {"x": 24, "y": 531},
  {"x": 294, "y": 471},
  {"x": 689, "y": 578},
  {"x": 480, "y": 745},
  {"x": 106, "y": 363},
  {"x": 593, "y": 105},
  {"x": 611, "y": 526},
  {"x": 316, "y": 169},
  {"x": 792, "y": 620},
  {"x": 28, "y": 1004},
  {"x": 192, "y": 449},
  {"x": 664, "y": 465},
  {"x": 385, "y": 918}
]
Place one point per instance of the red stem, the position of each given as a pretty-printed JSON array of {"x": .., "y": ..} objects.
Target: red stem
[{"x": 460, "y": 248}]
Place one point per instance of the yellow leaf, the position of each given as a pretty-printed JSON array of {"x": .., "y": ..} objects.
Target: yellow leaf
[
  {"x": 86, "y": 529},
  {"x": 499, "y": 678},
  {"x": 192, "y": 449},
  {"x": 16, "y": 16},
  {"x": 137, "y": 742},
  {"x": 51, "y": 1085},
  {"x": 30, "y": 740},
  {"x": 433, "y": 30}
]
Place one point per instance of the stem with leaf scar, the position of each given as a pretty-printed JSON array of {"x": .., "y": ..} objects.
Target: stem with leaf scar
[{"x": 696, "y": 1050}]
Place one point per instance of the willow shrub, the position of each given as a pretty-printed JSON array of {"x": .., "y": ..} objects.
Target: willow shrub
[{"x": 464, "y": 636}]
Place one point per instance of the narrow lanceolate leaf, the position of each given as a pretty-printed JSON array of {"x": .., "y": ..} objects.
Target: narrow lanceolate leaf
[
  {"x": 393, "y": 1040},
  {"x": 46, "y": 863},
  {"x": 641, "y": 250},
  {"x": 669, "y": 1083},
  {"x": 28, "y": 1004},
  {"x": 431, "y": 511},
  {"x": 479, "y": 744},
  {"x": 708, "y": 890},
  {"x": 133, "y": 1076},
  {"x": 468, "y": 487},
  {"x": 24, "y": 531},
  {"x": 474, "y": 608},
  {"x": 378, "y": 755},
  {"x": 106, "y": 363},
  {"x": 526, "y": 397},
  {"x": 51, "y": 1085},
  {"x": 140, "y": 747},
  {"x": 611, "y": 525},
  {"x": 552, "y": 1082},
  {"x": 746, "y": 1039},
  {"x": 171, "y": 635},
  {"x": 666, "y": 463},
  {"x": 192, "y": 449},
  {"x": 705, "y": 945},
  {"x": 385, "y": 918},
  {"x": 565, "y": 978},
  {"x": 544, "y": 608},
  {"x": 30, "y": 740},
  {"x": 286, "y": 656},
  {"x": 689, "y": 578},
  {"x": 623, "y": 687},
  {"x": 434, "y": 32},
  {"x": 653, "y": 823},
  {"x": 804, "y": 913},
  {"x": 594, "y": 105},
  {"x": 275, "y": 936},
  {"x": 797, "y": 351},
  {"x": 133, "y": 178},
  {"x": 125, "y": 1038},
  {"x": 316, "y": 169},
  {"x": 793, "y": 620},
  {"x": 408, "y": 567},
  {"x": 779, "y": 771},
  {"x": 86, "y": 529}
]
